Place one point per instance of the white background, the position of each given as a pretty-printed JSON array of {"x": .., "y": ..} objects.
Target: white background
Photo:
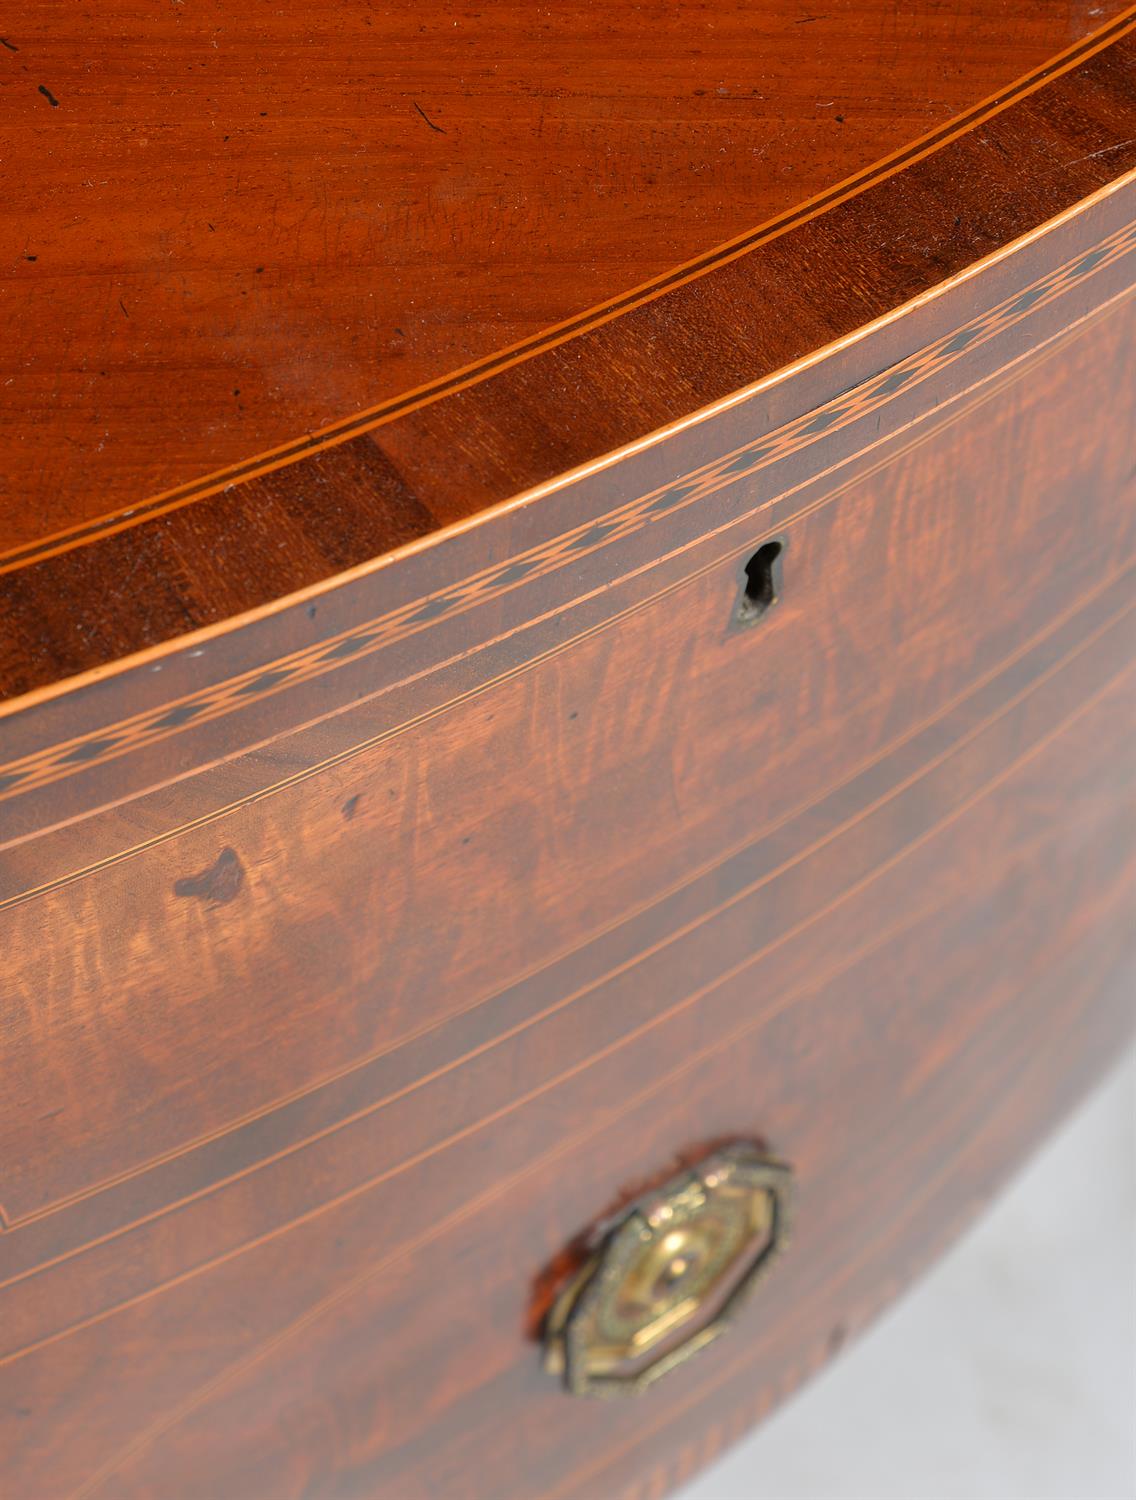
[{"x": 1008, "y": 1373}]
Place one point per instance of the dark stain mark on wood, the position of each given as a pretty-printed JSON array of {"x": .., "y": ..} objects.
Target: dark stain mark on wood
[
  {"x": 219, "y": 884},
  {"x": 427, "y": 118},
  {"x": 49, "y": 96},
  {"x": 351, "y": 806}
]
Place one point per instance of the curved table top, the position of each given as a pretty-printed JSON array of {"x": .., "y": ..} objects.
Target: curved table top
[{"x": 228, "y": 237}]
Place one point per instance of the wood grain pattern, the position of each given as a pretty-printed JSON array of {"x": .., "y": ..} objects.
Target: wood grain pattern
[
  {"x": 224, "y": 230},
  {"x": 358, "y": 952},
  {"x": 1005, "y": 169}
]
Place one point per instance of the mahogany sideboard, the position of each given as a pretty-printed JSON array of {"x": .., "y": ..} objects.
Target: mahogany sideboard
[{"x": 567, "y": 629}]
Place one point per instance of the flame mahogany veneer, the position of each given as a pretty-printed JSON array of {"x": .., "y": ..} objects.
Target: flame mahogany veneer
[{"x": 406, "y": 858}]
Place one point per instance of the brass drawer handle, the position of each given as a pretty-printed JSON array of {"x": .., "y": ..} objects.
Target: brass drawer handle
[{"x": 668, "y": 1277}]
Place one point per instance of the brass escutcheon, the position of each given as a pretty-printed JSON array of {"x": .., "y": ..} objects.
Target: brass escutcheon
[{"x": 670, "y": 1274}]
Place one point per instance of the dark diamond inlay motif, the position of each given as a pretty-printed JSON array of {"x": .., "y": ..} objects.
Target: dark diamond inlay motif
[
  {"x": 515, "y": 571},
  {"x": 591, "y": 537},
  {"x": 90, "y": 750},
  {"x": 961, "y": 339},
  {"x": 262, "y": 683},
  {"x": 894, "y": 382},
  {"x": 668, "y": 499},
  {"x": 432, "y": 609},
  {"x": 743, "y": 461},
  {"x": 349, "y": 647},
  {"x": 823, "y": 419},
  {"x": 181, "y": 714},
  {"x": 1087, "y": 262}
]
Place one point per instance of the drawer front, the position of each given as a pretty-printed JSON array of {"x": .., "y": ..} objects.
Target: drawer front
[{"x": 321, "y": 1058}]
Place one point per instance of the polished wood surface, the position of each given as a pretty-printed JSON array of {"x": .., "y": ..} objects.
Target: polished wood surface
[
  {"x": 359, "y": 952},
  {"x": 224, "y": 229},
  {"x": 826, "y": 270}
]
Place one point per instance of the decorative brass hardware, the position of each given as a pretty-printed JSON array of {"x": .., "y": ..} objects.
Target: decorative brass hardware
[{"x": 670, "y": 1274}]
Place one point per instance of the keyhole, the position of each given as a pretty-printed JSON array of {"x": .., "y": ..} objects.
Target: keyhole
[{"x": 762, "y": 584}]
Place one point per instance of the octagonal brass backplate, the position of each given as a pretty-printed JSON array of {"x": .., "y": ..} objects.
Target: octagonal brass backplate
[{"x": 670, "y": 1274}]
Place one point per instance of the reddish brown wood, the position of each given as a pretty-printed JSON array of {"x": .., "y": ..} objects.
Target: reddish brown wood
[
  {"x": 1001, "y": 170},
  {"x": 224, "y": 230},
  {"x": 357, "y": 954}
]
